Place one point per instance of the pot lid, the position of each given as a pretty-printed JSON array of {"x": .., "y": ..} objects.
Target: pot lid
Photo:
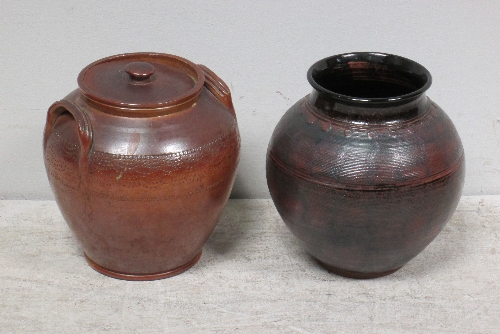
[{"x": 141, "y": 81}]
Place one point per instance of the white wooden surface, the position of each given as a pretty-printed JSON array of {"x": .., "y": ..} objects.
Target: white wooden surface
[{"x": 253, "y": 277}]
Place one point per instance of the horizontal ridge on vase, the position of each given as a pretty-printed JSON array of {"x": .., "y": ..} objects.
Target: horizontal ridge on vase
[
  {"x": 366, "y": 170},
  {"x": 141, "y": 159}
]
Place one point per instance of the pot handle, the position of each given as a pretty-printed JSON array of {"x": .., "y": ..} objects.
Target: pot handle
[
  {"x": 83, "y": 122},
  {"x": 219, "y": 88}
]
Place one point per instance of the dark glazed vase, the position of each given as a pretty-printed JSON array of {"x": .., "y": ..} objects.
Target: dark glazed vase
[
  {"x": 366, "y": 170},
  {"x": 141, "y": 160}
]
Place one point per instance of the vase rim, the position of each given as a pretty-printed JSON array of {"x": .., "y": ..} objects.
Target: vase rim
[{"x": 394, "y": 62}]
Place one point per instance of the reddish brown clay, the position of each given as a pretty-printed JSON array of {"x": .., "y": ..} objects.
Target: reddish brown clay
[
  {"x": 141, "y": 160},
  {"x": 366, "y": 170}
]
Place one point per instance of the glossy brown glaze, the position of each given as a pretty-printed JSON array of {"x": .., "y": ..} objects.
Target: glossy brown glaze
[
  {"x": 365, "y": 180},
  {"x": 141, "y": 160}
]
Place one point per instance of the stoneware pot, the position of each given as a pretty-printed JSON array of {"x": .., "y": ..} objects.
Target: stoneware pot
[
  {"x": 141, "y": 159},
  {"x": 366, "y": 170}
]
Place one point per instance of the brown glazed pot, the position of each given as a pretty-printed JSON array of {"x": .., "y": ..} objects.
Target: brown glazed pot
[
  {"x": 366, "y": 170},
  {"x": 141, "y": 160}
]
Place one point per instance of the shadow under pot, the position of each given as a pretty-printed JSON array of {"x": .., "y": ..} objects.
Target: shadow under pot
[
  {"x": 141, "y": 159},
  {"x": 366, "y": 170}
]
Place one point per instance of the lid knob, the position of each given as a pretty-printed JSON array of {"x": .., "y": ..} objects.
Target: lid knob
[{"x": 139, "y": 70}]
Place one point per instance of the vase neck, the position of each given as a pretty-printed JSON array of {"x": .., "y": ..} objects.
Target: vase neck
[
  {"x": 369, "y": 86},
  {"x": 400, "y": 110}
]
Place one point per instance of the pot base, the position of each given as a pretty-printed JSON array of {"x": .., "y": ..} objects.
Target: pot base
[
  {"x": 355, "y": 274},
  {"x": 143, "y": 277}
]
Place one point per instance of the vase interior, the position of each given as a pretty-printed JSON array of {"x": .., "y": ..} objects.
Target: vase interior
[{"x": 369, "y": 76}]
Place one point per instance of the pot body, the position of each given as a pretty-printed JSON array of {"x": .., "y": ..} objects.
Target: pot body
[
  {"x": 142, "y": 193},
  {"x": 365, "y": 186}
]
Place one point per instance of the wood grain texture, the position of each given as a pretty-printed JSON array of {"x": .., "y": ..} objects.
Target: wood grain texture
[{"x": 253, "y": 277}]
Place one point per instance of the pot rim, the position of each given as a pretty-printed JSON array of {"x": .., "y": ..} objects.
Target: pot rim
[{"x": 395, "y": 62}]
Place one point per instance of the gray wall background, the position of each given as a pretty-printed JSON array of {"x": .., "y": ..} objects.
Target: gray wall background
[{"x": 262, "y": 49}]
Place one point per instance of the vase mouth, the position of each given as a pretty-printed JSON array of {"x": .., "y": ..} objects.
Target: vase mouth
[{"x": 369, "y": 78}]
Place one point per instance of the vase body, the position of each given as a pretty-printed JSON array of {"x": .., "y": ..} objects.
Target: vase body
[
  {"x": 141, "y": 160},
  {"x": 366, "y": 170}
]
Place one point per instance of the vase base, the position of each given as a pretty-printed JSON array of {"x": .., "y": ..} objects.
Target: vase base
[
  {"x": 355, "y": 274},
  {"x": 143, "y": 277}
]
